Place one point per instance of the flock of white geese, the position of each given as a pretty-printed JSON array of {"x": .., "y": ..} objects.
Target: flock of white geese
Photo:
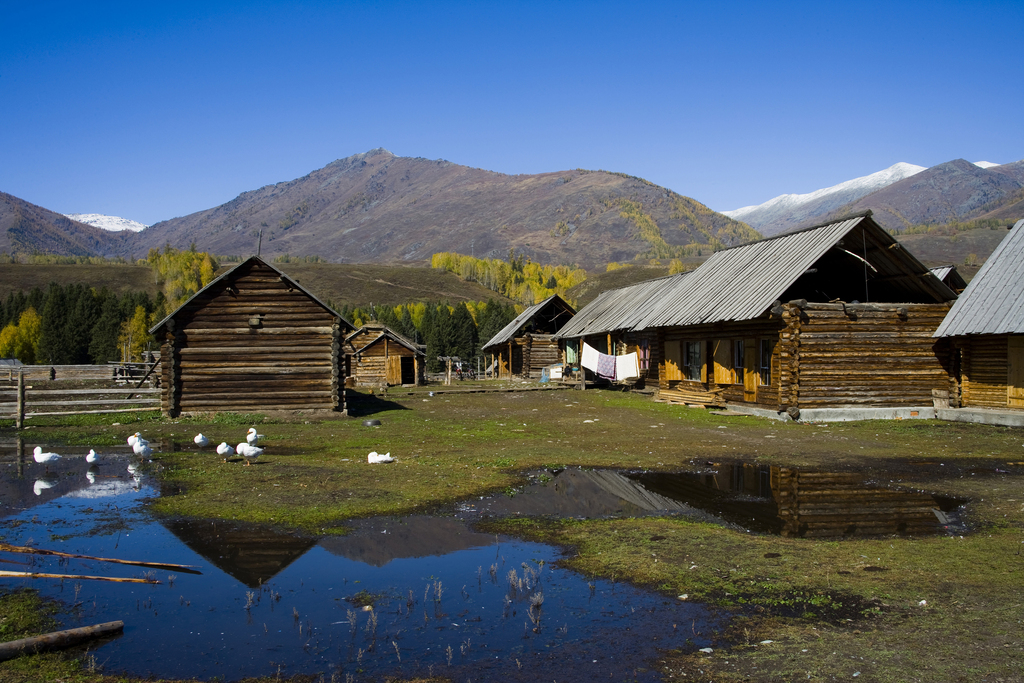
[{"x": 248, "y": 449}]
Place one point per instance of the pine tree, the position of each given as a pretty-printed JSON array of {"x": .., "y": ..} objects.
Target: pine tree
[
  {"x": 464, "y": 333},
  {"x": 105, "y": 332}
]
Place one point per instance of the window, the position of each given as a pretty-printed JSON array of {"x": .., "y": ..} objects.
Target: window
[
  {"x": 765, "y": 361},
  {"x": 738, "y": 360},
  {"x": 693, "y": 360}
]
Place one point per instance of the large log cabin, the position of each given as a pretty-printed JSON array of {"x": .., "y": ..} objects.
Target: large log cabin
[
  {"x": 834, "y": 316},
  {"x": 986, "y": 330},
  {"x": 252, "y": 340}
]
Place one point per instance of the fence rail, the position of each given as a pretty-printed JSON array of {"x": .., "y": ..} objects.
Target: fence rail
[{"x": 24, "y": 401}]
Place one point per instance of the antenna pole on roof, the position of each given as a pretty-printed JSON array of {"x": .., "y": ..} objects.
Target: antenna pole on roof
[
  {"x": 864, "y": 244},
  {"x": 259, "y": 245}
]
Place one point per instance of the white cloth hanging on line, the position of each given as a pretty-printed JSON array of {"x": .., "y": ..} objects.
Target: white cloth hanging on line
[
  {"x": 626, "y": 367},
  {"x": 589, "y": 357}
]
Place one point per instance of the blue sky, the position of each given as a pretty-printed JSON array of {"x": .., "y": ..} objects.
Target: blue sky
[{"x": 155, "y": 110}]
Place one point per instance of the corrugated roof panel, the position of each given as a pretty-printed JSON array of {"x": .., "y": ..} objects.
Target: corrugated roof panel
[
  {"x": 742, "y": 282},
  {"x": 993, "y": 302},
  {"x": 615, "y": 309}
]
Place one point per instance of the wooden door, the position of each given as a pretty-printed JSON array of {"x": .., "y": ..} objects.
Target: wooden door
[
  {"x": 1015, "y": 371},
  {"x": 673, "y": 360},
  {"x": 394, "y": 370},
  {"x": 750, "y": 375},
  {"x": 723, "y": 361}
]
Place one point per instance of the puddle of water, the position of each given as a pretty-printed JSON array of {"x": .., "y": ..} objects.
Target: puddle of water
[{"x": 447, "y": 601}]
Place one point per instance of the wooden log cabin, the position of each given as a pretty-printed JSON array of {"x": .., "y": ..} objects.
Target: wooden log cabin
[
  {"x": 252, "y": 340},
  {"x": 605, "y": 324},
  {"x": 379, "y": 356},
  {"x": 985, "y": 328},
  {"x": 526, "y": 346},
  {"x": 836, "y": 316}
]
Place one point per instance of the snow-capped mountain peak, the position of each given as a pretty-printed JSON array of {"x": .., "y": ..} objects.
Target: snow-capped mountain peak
[
  {"x": 985, "y": 164},
  {"x": 112, "y": 223},
  {"x": 785, "y": 211}
]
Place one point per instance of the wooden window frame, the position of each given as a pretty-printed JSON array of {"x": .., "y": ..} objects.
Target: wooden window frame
[
  {"x": 692, "y": 367},
  {"x": 766, "y": 349}
]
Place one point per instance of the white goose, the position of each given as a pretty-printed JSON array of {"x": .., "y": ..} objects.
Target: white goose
[
  {"x": 201, "y": 440},
  {"x": 250, "y": 453},
  {"x": 44, "y": 458},
  {"x": 135, "y": 438},
  {"x": 374, "y": 457},
  {"x": 225, "y": 450},
  {"x": 142, "y": 448},
  {"x": 92, "y": 457},
  {"x": 252, "y": 438}
]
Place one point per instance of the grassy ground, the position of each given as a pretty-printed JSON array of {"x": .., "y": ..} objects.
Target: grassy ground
[{"x": 887, "y": 609}]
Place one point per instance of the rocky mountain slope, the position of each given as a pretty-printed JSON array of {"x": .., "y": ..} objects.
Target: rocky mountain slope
[
  {"x": 27, "y": 228},
  {"x": 954, "y": 191},
  {"x": 378, "y": 208}
]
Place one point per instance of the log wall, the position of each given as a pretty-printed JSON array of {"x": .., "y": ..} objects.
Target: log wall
[
  {"x": 252, "y": 342},
  {"x": 866, "y": 354},
  {"x": 983, "y": 368}
]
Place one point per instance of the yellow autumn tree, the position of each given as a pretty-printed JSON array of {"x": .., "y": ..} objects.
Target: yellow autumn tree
[
  {"x": 21, "y": 341},
  {"x": 134, "y": 337}
]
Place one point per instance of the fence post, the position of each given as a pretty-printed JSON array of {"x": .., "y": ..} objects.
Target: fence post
[{"x": 20, "y": 419}]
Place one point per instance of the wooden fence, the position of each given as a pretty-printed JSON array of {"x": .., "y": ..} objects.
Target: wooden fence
[{"x": 24, "y": 401}]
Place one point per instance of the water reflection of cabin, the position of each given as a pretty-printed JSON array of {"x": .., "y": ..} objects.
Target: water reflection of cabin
[
  {"x": 379, "y": 355},
  {"x": 526, "y": 345},
  {"x": 252, "y": 339},
  {"x": 986, "y": 330},
  {"x": 251, "y": 554},
  {"x": 605, "y": 324},
  {"x": 805, "y": 503}
]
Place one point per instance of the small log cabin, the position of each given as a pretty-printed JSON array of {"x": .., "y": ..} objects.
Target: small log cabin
[
  {"x": 526, "y": 346},
  {"x": 986, "y": 330},
  {"x": 253, "y": 339},
  {"x": 380, "y": 356}
]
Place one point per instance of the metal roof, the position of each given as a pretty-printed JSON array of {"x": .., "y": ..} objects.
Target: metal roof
[
  {"x": 508, "y": 333},
  {"x": 993, "y": 302},
  {"x": 615, "y": 309},
  {"x": 228, "y": 273},
  {"x": 743, "y": 282}
]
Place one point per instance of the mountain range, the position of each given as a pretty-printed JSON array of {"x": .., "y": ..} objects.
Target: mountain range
[
  {"x": 901, "y": 196},
  {"x": 788, "y": 211},
  {"x": 380, "y": 208}
]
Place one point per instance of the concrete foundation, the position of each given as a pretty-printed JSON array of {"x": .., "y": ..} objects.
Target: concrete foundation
[{"x": 985, "y": 416}]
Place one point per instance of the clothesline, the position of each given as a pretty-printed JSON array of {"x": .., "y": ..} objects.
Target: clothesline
[{"x": 610, "y": 367}]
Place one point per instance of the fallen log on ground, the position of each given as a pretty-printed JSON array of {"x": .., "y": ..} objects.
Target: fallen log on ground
[
  {"x": 57, "y": 640},
  {"x": 40, "y": 575},
  {"x": 187, "y": 568}
]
